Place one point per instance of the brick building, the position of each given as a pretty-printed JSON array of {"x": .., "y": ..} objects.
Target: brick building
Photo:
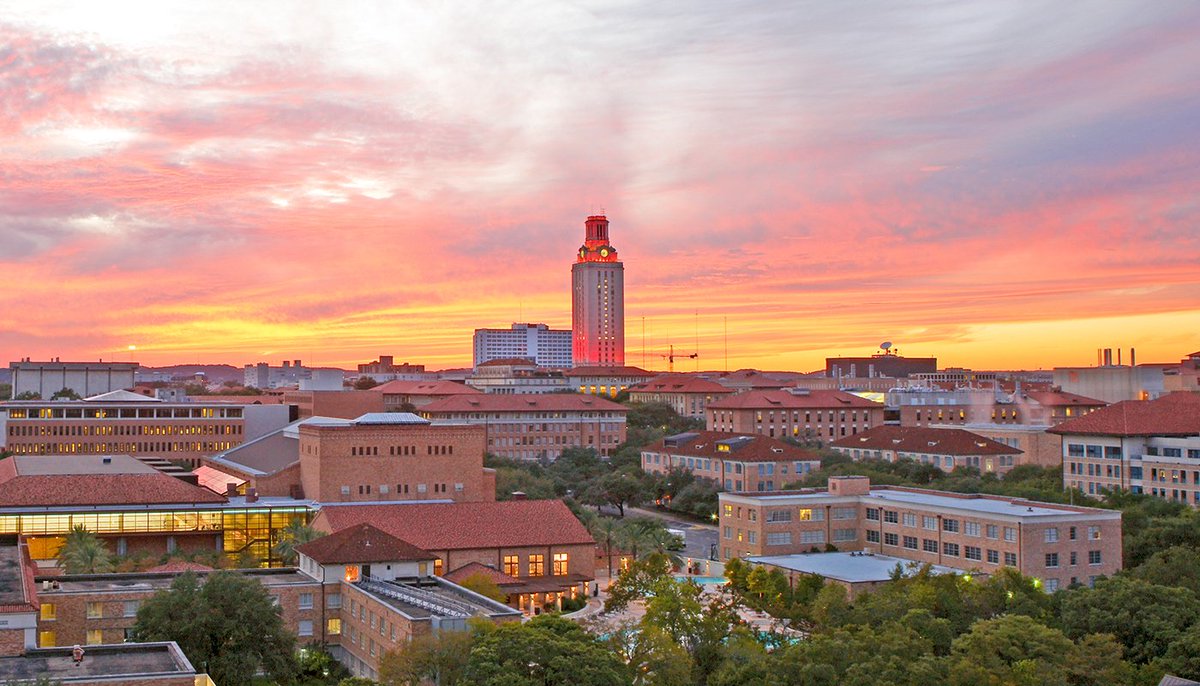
[
  {"x": 822, "y": 415},
  {"x": 407, "y": 396},
  {"x": 376, "y": 457},
  {"x": 944, "y": 448},
  {"x": 126, "y": 422},
  {"x": 534, "y": 427},
  {"x": 688, "y": 395},
  {"x": 1143, "y": 446},
  {"x": 339, "y": 404},
  {"x": 960, "y": 406},
  {"x": 735, "y": 462},
  {"x": 606, "y": 380},
  {"x": 1058, "y": 544},
  {"x": 538, "y": 543}
]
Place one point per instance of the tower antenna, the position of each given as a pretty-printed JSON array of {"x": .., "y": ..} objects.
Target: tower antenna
[
  {"x": 726, "y": 344},
  {"x": 697, "y": 347},
  {"x": 643, "y": 341}
]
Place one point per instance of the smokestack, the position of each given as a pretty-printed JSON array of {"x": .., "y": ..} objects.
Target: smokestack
[
  {"x": 296, "y": 363},
  {"x": 1108, "y": 357},
  {"x": 1099, "y": 357},
  {"x": 1132, "y": 357},
  {"x": 1118, "y": 357}
]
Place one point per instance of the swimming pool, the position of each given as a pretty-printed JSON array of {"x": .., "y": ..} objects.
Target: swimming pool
[{"x": 702, "y": 580}]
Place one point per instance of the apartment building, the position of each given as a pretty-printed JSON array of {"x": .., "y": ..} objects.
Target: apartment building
[
  {"x": 735, "y": 462},
  {"x": 1143, "y": 446},
  {"x": 688, "y": 395},
  {"x": 516, "y": 376},
  {"x": 944, "y": 448},
  {"x": 125, "y": 422},
  {"x": 822, "y": 415},
  {"x": 538, "y": 342},
  {"x": 408, "y": 396},
  {"x": 536, "y": 426},
  {"x": 1058, "y": 544},
  {"x": 606, "y": 380},
  {"x": 961, "y": 406}
]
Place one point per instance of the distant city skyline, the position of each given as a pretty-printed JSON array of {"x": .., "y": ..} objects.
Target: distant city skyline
[{"x": 998, "y": 185}]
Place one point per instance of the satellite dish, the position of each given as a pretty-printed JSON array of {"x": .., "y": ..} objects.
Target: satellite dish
[{"x": 886, "y": 345}]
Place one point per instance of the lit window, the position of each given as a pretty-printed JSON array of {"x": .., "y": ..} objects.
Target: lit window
[
  {"x": 333, "y": 627},
  {"x": 95, "y": 637},
  {"x": 95, "y": 610},
  {"x": 49, "y": 612},
  {"x": 559, "y": 564}
]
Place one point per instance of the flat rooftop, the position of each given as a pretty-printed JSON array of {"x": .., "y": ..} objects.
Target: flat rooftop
[
  {"x": 848, "y": 567},
  {"x": 149, "y": 582},
  {"x": 130, "y": 661},
  {"x": 29, "y": 465},
  {"x": 12, "y": 582},
  {"x": 438, "y": 598},
  {"x": 998, "y": 506}
]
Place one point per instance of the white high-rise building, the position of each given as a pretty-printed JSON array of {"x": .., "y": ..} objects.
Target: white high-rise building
[
  {"x": 545, "y": 346},
  {"x": 598, "y": 299}
]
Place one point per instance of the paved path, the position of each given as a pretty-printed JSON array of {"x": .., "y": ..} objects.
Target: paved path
[{"x": 698, "y": 538}]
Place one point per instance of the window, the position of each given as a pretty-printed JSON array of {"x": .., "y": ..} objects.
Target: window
[
  {"x": 131, "y": 608},
  {"x": 537, "y": 565},
  {"x": 1010, "y": 534},
  {"x": 891, "y": 517},
  {"x": 305, "y": 628},
  {"x": 306, "y": 601},
  {"x": 929, "y": 545},
  {"x": 929, "y": 523},
  {"x": 910, "y": 542},
  {"x": 333, "y": 627},
  {"x": 908, "y": 519},
  {"x": 842, "y": 535},
  {"x": 993, "y": 531},
  {"x": 1051, "y": 559},
  {"x": 95, "y": 610},
  {"x": 1010, "y": 559},
  {"x": 891, "y": 539},
  {"x": 728, "y": 532},
  {"x": 49, "y": 612},
  {"x": 972, "y": 552},
  {"x": 950, "y": 549},
  {"x": 753, "y": 536},
  {"x": 333, "y": 600},
  {"x": 993, "y": 557},
  {"x": 780, "y": 538},
  {"x": 559, "y": 564},
  {"x": 95, "y": 637},
  {"x": 1093, "y": 533},
  {"x": 814, "y": 537},
  {"x": 872, "y": 514},
  {"x": 1093, "y": 557},
  {"x": 872, "y": 536},
  {"x": 971, "y": 528},
  {"x": 1071, "y": 533},
  {"x": 1051, "y": 535},
  {"x": 950, "y": 525},
  {"x": 845, "y": 513},
  {"x": 1051, "y": 585},
  {"x": 729, "y": 510},
  {"x": 512, "y": 565}
]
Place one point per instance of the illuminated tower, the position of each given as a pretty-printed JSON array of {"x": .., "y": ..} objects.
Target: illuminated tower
[{"x": 597, "y": 300}]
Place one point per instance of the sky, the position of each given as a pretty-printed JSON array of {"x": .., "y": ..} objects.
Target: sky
[{"x": 999, "y": 185}]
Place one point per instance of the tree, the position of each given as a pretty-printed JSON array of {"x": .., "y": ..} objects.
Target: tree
[
  {"x": 637, "y": 581},
  {"x": 617, "y": 489},
  {"x": 653, "y": 657},
  {"x": 228, "y": 627},
  {"x": 5, "y": 391},
  {"x": 316, "y": 665},
  {"x": 546, "y": 651},
  {"x": 291, "y": 536},
  {"x": 365, "y": 383},
  {"x": 438, "y": 658},
  {"x": 84, "y": 553},
  {"x": 1175, "y": 566},
  {"x": 1006, "y": 649},
  {"x": 1182, "y": 657},
  {"x": 65, "y": 394},
  {"x": 484, "y": 586},
  {"x": 28, "y": 395},
  {"x": 1146, "y": 618},
  {"x": 606, "y": 531}
]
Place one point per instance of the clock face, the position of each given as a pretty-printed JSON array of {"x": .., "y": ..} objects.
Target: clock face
[{"x": 603, "y": 252}]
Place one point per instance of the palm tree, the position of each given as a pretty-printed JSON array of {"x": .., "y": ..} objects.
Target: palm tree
[
  {"x": 606, "y": 531},
  {"x": 295, "y": 534},
  {"x": 84, "y": 553}
]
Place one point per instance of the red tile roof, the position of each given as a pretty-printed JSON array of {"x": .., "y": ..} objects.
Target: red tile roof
[
  {"x": 920, "y": 439},
  {"x": 609, "y": 371},
  {"x": 523, "y": 402},
  {"x": 461, "y": 526},
  {"x": 1175, "y": 414},
  {"x": 361, "y": 544},
  {"x": 768, "y": 400},
  {"x": 474, "y": 568},
  {"x": 743, "y": 447},
  {"x": 1060, "y": 398},
  {"x": 680, "y": 383},
  {"x": 399, "y": 387},
  {"x": 58, "y": 490}
]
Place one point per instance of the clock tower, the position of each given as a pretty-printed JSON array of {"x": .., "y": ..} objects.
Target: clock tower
[{"x": 597, "y": 299}]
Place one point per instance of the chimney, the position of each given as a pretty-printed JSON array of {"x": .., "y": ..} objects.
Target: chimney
[
  {"x": 519, "y": 495},
  {"x": 251, "y": 495},
  {"x": 1108, "y": 357},
  {"x": 1132, "y": 357},
  {"x": 1118, "y": 357},
  {"x": 286, "y": 364},
  {"x": 230, "y": 488},
  {"x": 1099, "y": 357},
  {"x": 296, "y": 363}
]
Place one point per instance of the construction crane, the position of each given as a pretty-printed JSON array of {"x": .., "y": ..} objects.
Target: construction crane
[{"x": 670, "y": 357}]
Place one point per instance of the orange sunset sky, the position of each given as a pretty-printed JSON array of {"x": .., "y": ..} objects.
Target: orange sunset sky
[{"x": 999, "y": 185}]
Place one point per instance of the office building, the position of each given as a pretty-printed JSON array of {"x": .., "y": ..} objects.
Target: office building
[
  {"x": 545, "y": 346},
  {"x": 797, "y": 413},
  {"x": 688, "y": 395},
  {"x": 735, "y": 462},
  {"x": 887, "y": 363},
  {"x": 1057, "y": 544},
  {"x": 606, "y": 381},
  {"x": 516, "y": 376},
  {"x": 597, "y": 299}
]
